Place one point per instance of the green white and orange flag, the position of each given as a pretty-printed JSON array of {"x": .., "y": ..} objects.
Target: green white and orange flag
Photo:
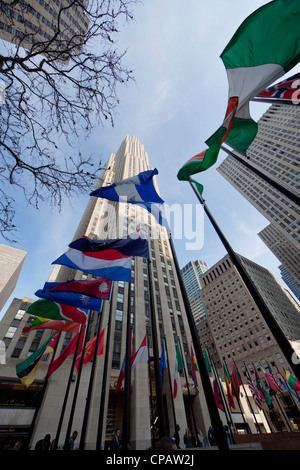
[{"x": 264, "y": 48}]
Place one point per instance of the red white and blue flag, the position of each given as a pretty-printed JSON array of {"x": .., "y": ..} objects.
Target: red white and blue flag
[
  {"x": 110, "y": 259},
  {"x": 288, "y": 89}
]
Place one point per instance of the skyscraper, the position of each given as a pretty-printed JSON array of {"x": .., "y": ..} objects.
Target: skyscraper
[
  {"x": 191, "y": 276},
  {"x": 274, "y": 151},
  {"x": 103, "y": 219},
  {"x": 11, "y": 263}
]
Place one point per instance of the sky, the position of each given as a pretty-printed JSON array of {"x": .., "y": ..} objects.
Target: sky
[{"x": 178, "y": 100}]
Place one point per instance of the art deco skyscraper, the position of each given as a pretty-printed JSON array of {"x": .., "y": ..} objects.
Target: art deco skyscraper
[
  {"x": 104, "y": 219},
  {"x": 274, "y": 151}
]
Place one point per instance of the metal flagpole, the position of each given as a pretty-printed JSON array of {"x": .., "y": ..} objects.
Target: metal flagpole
[
  {"x": 127, "y": 381},
  {"x": 40, "y": 398},
  {"x": 248, "y": 400},
  {"x": 159, "y": 402},
  {"x": 170, "y": 382},
  {"x": 279, "y": 187},
  {"x": 68, "y": 433},
  {"x": 264, "y": 309},
  {"x": 68, "y": 387},
  {"x": 89, "y": 393},
  {"x": 104, "y": 378},
  {"x": 240, "y": 407},
  {"x": 188, "y": 390},
  {"x": 209, "y": 396}
]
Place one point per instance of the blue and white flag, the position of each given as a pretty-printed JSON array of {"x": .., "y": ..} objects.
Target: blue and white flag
[{"x": 139, "y": 190}]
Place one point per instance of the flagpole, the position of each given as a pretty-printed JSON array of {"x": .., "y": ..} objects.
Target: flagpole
[
  {"x": 224, "y": 401},
  {"x": 170, "y": 383},
  {"x": 151, "y": 395},
  {"x": 248, "y": 401},
  {"x": 240, "y": 408},
  {"x": 247, "y": 398},
  {"x": 68, "y": 387},
  {"x": 188, "y": 390},
  {"x": 127, "y": 380},
  {"x": 278, "y": 186},
  {"x": 263, "y": 308},
  {"x": 104, "y": 378},
  {"x": 45, "y": 384},
  {"x": 276, "y": 100},
  {"x": 68, "y": 433},
  {"x": 159, "y": 402},
  {"x": 89, "y": 393},
  {"x": 260, "y": 391},
  {"x": 209, "y": 396}
]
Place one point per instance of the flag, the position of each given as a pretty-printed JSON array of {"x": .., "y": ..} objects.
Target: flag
[
  {"x": 256, "y": 396},
  {"x": 44, "y": 323},
  {"x": 55, "y": 311},
  {"x": 207, "y": 361},
  {"x": 72, "y": 299},
  {"x": 228, "y": 386},
  {"x": 217, "y": 395},
  {"x": 178, "y": 368},
  {"x": 121, "y": 376},
  {"x": 236, "y": 381},
  {"x": 90, "y": 350},
  {"x": 26, "y": 371},
  {"x": 284, "y": 90},
  {"x": 273, "y": 388},
  {"x": 261, "y": 389},
  {"x": 70, "y": 349},
  {"x": 275, "y": 380},
  {"x": 88, "y": 294},
  {"x": 141, "y": 355},
  {"x": 287, "y": 387},
  {"x": 194, "y": 369},
  {"x": 264, "y": 48},
  {"x": 137, "y": 189},
  {"x": 110, "y": 259},
  {"x": 162, "y": 365},
  {"x": 292, "y": 381}
]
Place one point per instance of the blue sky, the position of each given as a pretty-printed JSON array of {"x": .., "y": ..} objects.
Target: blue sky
[{"x": 178, "y": 100}]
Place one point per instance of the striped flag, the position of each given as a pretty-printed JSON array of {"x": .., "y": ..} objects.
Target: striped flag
[{"x": 256, "y": 397}]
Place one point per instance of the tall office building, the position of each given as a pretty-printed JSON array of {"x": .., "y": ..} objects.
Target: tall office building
[
  {"x": 274, "y": 151},
  {"x": 11, "y": 263},
  {"x": 234, "y": 330},
  {"x": 104, "y": 219},
  {"x": 191, "y": 275},
  {"x": 290, "y": 281},
  {"x": 34, "y": 23}
]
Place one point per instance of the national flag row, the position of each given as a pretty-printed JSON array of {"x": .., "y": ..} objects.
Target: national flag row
[
  {"x": 277, "y": 383},
  {"x": 64, "y": 306},
  {"x": 264, "y": 48}
]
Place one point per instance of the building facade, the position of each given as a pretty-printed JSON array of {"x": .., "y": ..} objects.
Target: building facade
[
  {"x": 235, "y": 332},
  {"x": 191, "y": 275},
  {"x": 11, "y": 263},
  {"x": 36, "y": 25},
  {"x": 103, "y": 219},
  {"x": 275, "y": 152}
]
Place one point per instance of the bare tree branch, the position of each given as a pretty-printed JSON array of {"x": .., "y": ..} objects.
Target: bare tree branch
[{"x": 61, "y": 69}]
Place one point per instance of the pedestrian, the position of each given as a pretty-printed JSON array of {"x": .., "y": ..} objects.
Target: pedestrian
[
  {"x": 187, "y": 439},
  {"x": 211, "y": 436},
  {"x": 201, "y": 439},
  {"x": 176, "y": 436},
  {"x": 166, "y": 443},
  {"x": 115, "y": 442},
  {"x": 6, "y": 443},
  {"x": 72, "y": 440},
  {"x": 43, "y": 444}
]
